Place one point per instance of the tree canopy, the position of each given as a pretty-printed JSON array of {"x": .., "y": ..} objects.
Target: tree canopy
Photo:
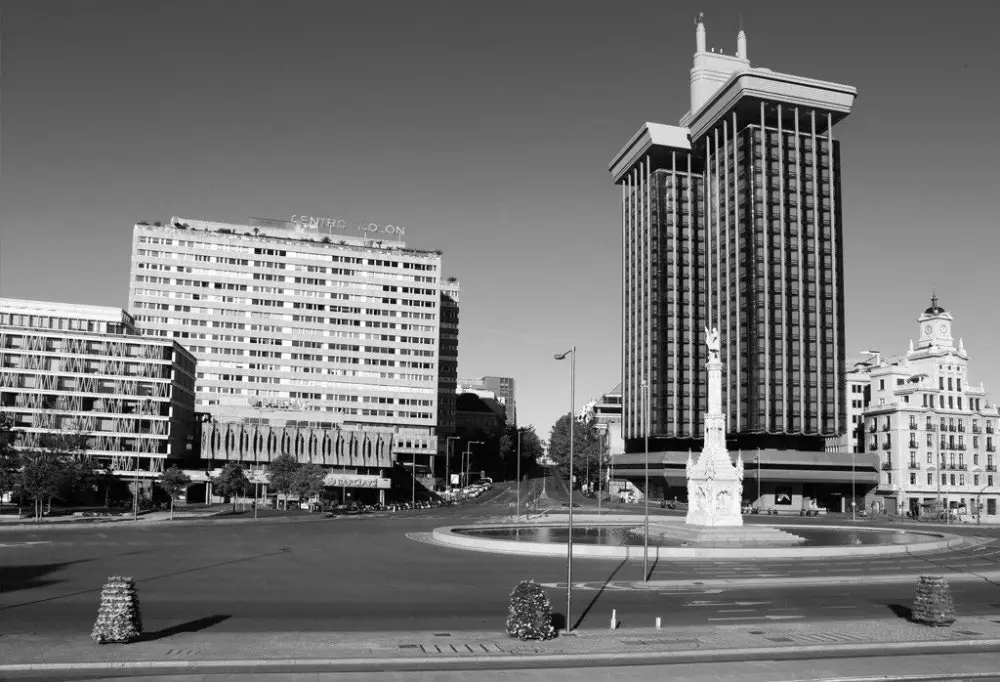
[
  {"x": 586, "y": 448},
  {"x": 231, "y": 482},
  {"x": 173, "y": 481},
  {"x": 308, "y": 480},
  {"x": 10, "y": 461},
  {"x": 281, "y": 474}
]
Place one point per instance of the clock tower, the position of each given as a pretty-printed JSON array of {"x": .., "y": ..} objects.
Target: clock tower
[{"x": 935, "y": 327}]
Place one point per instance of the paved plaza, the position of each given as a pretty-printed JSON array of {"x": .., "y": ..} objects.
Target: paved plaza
[{"x": 302, "y": 587}]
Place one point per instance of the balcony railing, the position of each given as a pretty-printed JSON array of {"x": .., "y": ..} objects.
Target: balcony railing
[
  {"x": 963, "y": 467},
  {"x": 991, "y": 467},
  {"x": 989, "y": 429},
  {"x": 914, "y": 465},
  {"x": 976, "y": 429},
  {"x": 961, "y": 429},
  {"x": 886, "y": 426},
  {"x": 913, "y": 426},
  {"x": 913, "y": 445},
  {"x": 886, "y": 466},
  {"x": 931, "y": 427},
  {"x": 887, "y": 445},
  {"x": 951, "y": 427},
  {"x": 991, "y": 448}
]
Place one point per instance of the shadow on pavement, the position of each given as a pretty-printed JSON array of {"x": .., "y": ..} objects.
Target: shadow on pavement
[
  {"x": 190, "y": 626},
  {"x": 900, "y": 611},
  {"x": 13, "y": 578},
  {"x": 597, "y": 596}
]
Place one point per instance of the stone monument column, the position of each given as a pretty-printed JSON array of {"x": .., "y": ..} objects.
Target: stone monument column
[{"x": 715, "y": 485}]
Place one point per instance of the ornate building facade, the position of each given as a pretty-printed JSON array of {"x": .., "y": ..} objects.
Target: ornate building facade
[{"x": 934, "y": 432}]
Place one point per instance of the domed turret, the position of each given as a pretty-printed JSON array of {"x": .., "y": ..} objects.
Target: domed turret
[{"x": 935, "y": 309}]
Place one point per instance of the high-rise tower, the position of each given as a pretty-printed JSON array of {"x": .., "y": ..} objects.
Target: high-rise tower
[{"x": 732, "y": 219}]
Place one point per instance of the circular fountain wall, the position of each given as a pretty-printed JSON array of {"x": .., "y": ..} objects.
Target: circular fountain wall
[{"x": 601, "y": 537}]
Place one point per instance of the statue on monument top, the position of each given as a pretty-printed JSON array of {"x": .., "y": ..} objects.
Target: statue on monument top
[{"x": 712, "y": 341}]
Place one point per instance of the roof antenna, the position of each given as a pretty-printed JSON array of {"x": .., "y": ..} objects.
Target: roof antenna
[{"x": 741, "y": 20}]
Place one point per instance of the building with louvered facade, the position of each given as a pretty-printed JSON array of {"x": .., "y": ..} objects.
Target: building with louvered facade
[
  {"x": 732, "y": 219},
  {"x": 82, "y": 368}
]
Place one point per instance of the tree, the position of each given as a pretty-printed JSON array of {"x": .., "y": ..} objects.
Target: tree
[
  {"x": 174, "y": 481},
  {"x": 308, "y": 481},
  {"x": 281, "y": 474},
  {"x": 10, "y": 460},
  {"x": 40, "y": 478},
  {"x": 67, "y": 448},
  {"x": 232, "y": 481},
  {"x": 586, "y": 448}
]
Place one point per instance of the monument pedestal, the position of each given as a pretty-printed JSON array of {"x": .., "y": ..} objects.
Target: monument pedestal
[
  {"x": 715, "y": 485},
  {"x": 721, "y": 536}
]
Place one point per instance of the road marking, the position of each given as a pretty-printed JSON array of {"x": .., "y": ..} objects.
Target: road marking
[
  {"x": 840, "y": 607},
  {"x": 737, "y": 610},
  {"x": 727, "y": 603},
  {"x": 23, "y": 544},
  {"x": 758, "y": 618}
]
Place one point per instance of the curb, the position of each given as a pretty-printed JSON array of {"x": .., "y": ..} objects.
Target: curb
[{"x": 798, "y": 652}]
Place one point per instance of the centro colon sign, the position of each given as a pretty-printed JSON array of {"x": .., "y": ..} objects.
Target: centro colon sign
[{"x": 305, "y": 223}]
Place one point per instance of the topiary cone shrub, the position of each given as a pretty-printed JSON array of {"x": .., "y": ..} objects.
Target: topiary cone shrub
[
  {"x": 118, "y": 619},
  {"x": 933, "y": 604},
  {"x": 530, "y": 612}
]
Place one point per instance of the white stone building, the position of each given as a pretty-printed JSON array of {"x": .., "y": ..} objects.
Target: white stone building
[{"x": 934, "y": 432}]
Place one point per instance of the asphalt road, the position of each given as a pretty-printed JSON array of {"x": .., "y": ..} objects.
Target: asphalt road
[{"x": 365, "y": 574}]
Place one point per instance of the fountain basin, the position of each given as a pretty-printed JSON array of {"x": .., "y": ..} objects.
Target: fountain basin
[{"x": 615, "y": 540}]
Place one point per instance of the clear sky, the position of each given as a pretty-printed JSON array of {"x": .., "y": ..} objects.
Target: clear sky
[{"x": 486, "y": 129}]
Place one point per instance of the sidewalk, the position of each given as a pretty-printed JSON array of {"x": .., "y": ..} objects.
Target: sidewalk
[{"x": 193, "y": 647}]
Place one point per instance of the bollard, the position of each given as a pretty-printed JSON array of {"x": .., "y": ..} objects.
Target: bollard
[
  {"x": 614, "y": 619},
  {"x": 658, "y": 623}
]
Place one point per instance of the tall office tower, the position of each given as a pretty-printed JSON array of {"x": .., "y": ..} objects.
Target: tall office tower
[
  {"x": 298, "y": 326},
  {"x": 733, "y": 220},
  {"x": 448, "y": 362}
]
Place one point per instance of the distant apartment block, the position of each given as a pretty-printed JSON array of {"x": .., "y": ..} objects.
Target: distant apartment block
[
  {"x": 82, "y": 367},
  {"x": 503, "y": 387},
  {"x": 298, "y": 329}
]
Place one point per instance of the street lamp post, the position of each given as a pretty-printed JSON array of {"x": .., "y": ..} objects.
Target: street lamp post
[
  {"x": 447, "y": 462},
  {"x": 645, "y": 437},
  {"x": 467, "y": 464},
  {"x": 135, "y": 498},
  {"x": 603, "y": 429},
  {"x": 569, "y": 540},
  {"x": 413, "y": 481},
  {"x": 854, "y": 495},
  {"x": 518, "y": 515},
  {"x": 979, "y": 505}
]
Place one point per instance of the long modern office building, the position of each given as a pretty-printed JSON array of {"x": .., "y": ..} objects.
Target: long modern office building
[
  {"x": 732, "y": 219},
  {"x": 82, "y": 369},
  {"x": 298, "y": 325}
]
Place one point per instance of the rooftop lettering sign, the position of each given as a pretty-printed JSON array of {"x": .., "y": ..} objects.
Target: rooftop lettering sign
[{"x": 305, "y": 223}]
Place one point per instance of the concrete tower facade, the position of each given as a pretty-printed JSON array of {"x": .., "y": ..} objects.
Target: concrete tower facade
[{"x": 733, "y": 220}]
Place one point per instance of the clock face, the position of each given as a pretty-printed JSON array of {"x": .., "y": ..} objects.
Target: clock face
[
  {"x": 928, "y": 329},
  {"x": 944, "y": 329}
]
